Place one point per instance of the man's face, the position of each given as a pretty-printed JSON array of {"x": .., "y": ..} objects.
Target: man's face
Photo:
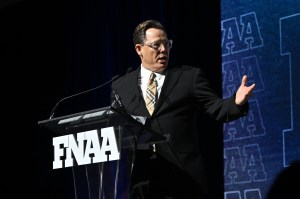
[{"x": 154, "y": 53}]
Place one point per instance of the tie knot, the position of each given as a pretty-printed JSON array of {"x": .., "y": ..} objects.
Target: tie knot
[{"x": 151, "y": 78}]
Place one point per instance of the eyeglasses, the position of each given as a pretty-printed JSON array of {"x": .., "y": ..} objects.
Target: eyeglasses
[{"x": 157, "y": 45}]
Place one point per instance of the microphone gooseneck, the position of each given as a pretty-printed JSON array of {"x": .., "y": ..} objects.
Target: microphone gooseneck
[
  {"x": 63, "y": 99},
  {"x": 117, "y": 101},
  {"x": 118, "y": 107}
]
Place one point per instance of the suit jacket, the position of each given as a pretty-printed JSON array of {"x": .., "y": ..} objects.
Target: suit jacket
[{"x": 185, "y": 93}]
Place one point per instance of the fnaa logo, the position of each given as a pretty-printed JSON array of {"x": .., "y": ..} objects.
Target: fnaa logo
[{"x": 88, "y": 147}]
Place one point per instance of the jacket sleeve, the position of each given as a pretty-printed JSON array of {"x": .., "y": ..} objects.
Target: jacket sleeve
[{"x": 223, "y": 110}]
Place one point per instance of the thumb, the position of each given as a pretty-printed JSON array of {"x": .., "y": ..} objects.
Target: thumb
[{"x": 244, "y": 80}]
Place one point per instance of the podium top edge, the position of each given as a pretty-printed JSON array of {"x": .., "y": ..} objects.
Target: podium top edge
[{"x": 41, "y": 122}]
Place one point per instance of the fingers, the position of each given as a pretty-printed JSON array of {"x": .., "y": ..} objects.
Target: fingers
[
  {"x": 244, "y": 80},
  {"x": 251, "y": 88}
]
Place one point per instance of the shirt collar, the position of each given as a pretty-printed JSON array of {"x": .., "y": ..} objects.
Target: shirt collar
[{"x": 145, "y": 73}]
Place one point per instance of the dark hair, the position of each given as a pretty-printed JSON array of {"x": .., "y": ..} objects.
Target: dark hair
[{"x": 139, "y": 33}]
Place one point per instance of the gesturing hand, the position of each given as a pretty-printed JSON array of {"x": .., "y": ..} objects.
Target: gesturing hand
[{"x": 243, "y": 92}]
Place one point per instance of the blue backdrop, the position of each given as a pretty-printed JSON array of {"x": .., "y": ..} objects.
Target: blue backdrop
[{"x": 261, "y": 39}]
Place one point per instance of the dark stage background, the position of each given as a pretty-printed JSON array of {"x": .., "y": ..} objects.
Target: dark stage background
[
  {"x": 78, "y": 45},
  {"x": 82, "y": 44}
]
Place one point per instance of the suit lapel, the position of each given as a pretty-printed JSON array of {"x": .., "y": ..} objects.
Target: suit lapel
[
  {"x": 137, "y": 102},
  {"x": 137, "y": 98},
  {"x": 171, "y": 78}
]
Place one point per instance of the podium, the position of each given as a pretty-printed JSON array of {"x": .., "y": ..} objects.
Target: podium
[{"x": 90, "y": 155}]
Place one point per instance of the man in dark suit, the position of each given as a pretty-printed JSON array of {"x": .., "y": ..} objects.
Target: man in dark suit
[{"x": 172, "y": 169}]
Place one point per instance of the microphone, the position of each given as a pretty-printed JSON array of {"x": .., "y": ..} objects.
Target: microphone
[
  {"x": 63, "y": 99},
  {"x": 118, "y": 107},
  {"x": 115, "y": 95}
]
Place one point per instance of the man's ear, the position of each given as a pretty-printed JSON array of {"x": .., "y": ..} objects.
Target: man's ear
[{"x": 138, "y": 50}]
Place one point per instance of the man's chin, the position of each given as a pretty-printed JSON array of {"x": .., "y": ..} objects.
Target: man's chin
[
  {"x": 163, "y": 63},
  {"x": 160, "y": 67}
]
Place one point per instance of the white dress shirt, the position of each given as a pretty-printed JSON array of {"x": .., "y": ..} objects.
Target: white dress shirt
[{"x": 145, "y": 74}]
